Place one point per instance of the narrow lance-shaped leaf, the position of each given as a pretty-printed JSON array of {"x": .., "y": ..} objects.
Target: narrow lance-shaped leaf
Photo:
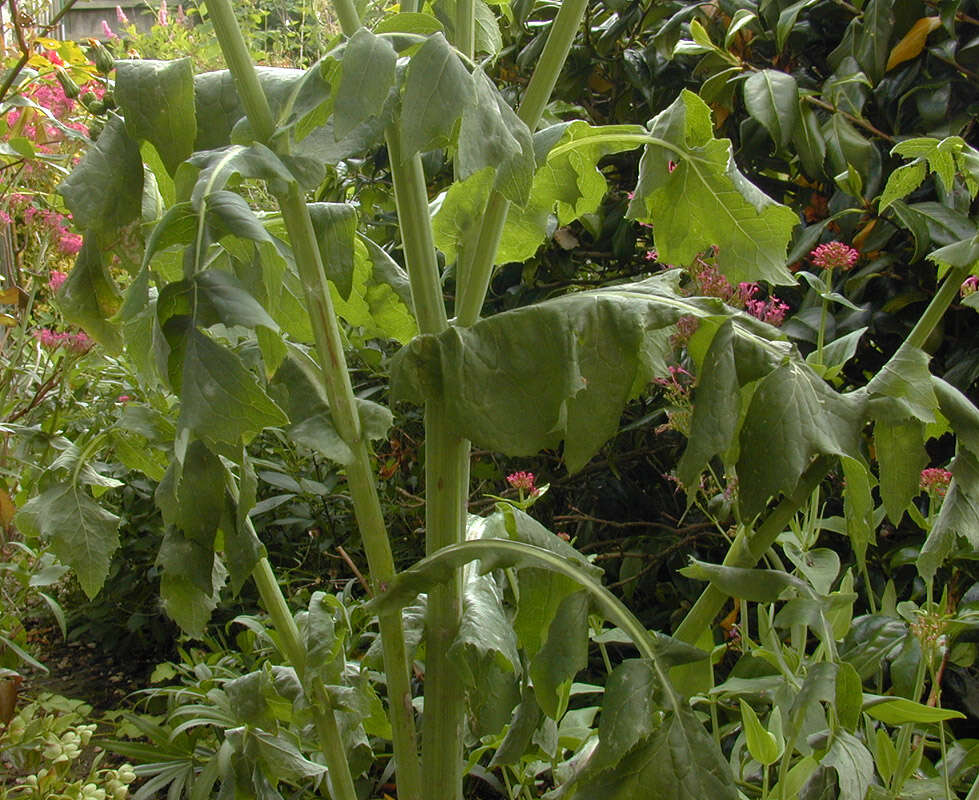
[{"x": 695, "y": 197}]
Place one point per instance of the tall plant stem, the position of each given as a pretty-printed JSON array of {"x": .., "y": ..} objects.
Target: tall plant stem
[
  {"x": 327, "y": 729},
  {"x": 747, "y": 549},
  {"x": 475, "y": 267},
  {"x": 343, "y": 404},
  {"x": 466, "y": 27}
]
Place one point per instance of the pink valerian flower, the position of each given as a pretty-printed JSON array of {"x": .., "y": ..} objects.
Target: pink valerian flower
[
  {"x": 747, "y": 292},
  {"x": 123, "y": 399},
  {"x": 181, "y": 15},
  {"x": 678, "y": 388},
  {"x": 524, "y": 481},
  {"x": 970, "y": 285},
  {"x": 935, "y": 480},
  {"x": 772, "y": 310},
  {"x": 69, "y": 243},
  {"x": 710, "y": 282},
  {"x": 5, "y": 218},
  {"x": 651, "y": 255},
  {"x": 55, "y": 279},
  {"x": 161, "y": 16},
  {"x": 834, "y": 255},
  {"x": 75, "y": 342},
  {"x": 107, "y": 31},
  {"x": 121, "y": 16}
]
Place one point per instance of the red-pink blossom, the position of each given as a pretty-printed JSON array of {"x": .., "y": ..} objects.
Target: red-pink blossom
[
  {"x": 935, "y": 479},
  {"x": 107, "y": 31},
  {"x": 123, "y": 398},
  {"x": 161, "y": 16},
  {"x": 772, "y": 311},
  {"x": 55, "y": 279},
  {"x": 834, "y": 255},
  {"x": 970, "y": 285},
  {"x": 522, "y": 480},
  {"x": 70, "y": 243}
]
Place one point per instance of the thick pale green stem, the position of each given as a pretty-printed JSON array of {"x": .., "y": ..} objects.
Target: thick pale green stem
[
  {"x": 747, "y": 549},
  {"x": 466, "y": 27},
  {"x": 328, "y": 732},
  {"x": 938, "y": 306},
  {"x": 343, "y": 405},
  {"x": 475, "y": 266}
]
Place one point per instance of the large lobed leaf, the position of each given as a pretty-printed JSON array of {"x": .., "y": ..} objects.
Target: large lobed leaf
[{"x": 704, "y": 200}]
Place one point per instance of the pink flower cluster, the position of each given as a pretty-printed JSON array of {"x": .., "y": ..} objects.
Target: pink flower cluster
[
  {"x": 56, "y": 279},
  {"x": 711, "y": 283},
  {"x": 524, "y": 481},
  {"x": 970, "y": 285},
  {"x": 935, "y": 479},
  {"x": 74, "y": 342},
  {"x": 68, "y": 242},
  {"x": 772, "y": 310},
  {"x": 834, "y": 255}
]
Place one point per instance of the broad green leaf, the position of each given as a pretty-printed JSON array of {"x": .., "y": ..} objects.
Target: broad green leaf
[
  {"x": 901, "y": 455},
  {"x": 189, "y": 606},
  {"x": 157, "y": 100},
  {"x": 323, "y": 646},
  {"x": 786, "y": 21},
  {"x": 632, "y": 697},
  {"x": 591, "y": 351},
  {"x": 83, "y": 535},
  {"x": 491, "y": 135},
  {"x": 960, "y": 412},
  {"x": 229, "y": 213},
  {"x": 104, "y": 191},
  {"x": 945, "y": 225},
  {"x": 858, "y": 507},
  {"x": 755, "y": 585},
  {"x": 437, "y": 91},
  {"x": 380, "y": 298},
  {"x": 705, "y": 201},
  {"x": 898, "y": 710},
  {"x": 409, "y": 22},
  {"x": 563, "y": 655},
  {"x": 191, "y": 495},
  {"x": 906, "y": 378},
  {"x": 808, "y": 141},
  {"x": 485, "y": 635},
  {"x": 772, "y": 98},
  {"x": 839, "y": 351},
  {"x": 185, "y": 559},
  {"x": 177, "y": 227},
  {"x": 280, "y": 757},
  {"x": 872, "y": 39},
  {"x": 677, "y": 761},
  {"x": 762, "y": 744},
  {"x": 964, "y": 253},
  {"x": 488, "y": 37},
  {"x": 958, "y": 519},
  {"x": 213, "y": 296},
  {"x": 872, "y": 640},
  {"x": 902, "y": 182},
  {"x": 218, "y": 167},
  {"x": 366, "y": 79},
  {"x": 220, "y": 399},
  {"x": 917, "y": 224},
  {"x": 523, "y": 723},
  {"x": 820, "y": 565},
  {"x": 853, "y": 764},
  {"x": 797, "y": 410},
  {"x": 849, "y": 693},
  {"x": 729, "y": 365},
  {"x": 335, "y": 225},
  {"x": 89, "y": 297}
]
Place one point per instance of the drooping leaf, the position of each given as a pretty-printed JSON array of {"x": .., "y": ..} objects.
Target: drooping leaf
[
  {"x": 218, "y": 167},
  {"x": 563, "y": 655},
  {"x": 104, "y": 191},
  {"x": 220, "y": 399},
  {"x": 960, "y": 412},
  {"x": 902, "y": 182},
  {"x": 380, "y": 297},
  {"x": 335, "y": 225},
  {"x": 756, "y": 585},
  {"x": 906, "y": 378},
  {"x": 505, "y": 395},
  {"x": 913, "y": 42},
  {"x": 858, "y": 507},
  {"x": 89, "y": 297},
  {"x": 187, "y": 604},
  {"x": 157, "y": 100},
  {"x": 181, "y": 557},
  {"x": 191, "y": 494},
  {"x": 82, "y": 533},
  {"x": 677, "y": 761},
  {"x": 958, "y": 518},
  {"x": 901, "y": 455},
  {"x": 491, "y": 135},
  {"x": 795, "y": 408},
  {"x": 229, "y": 213},
  {"x": 705, "y": 201},
  {"x": 772, "y": 98},
  {"x": 438, "y": 89},
  {"x": 368, "y": 75}
]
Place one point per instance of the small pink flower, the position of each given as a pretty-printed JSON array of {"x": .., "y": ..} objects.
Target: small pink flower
[
  {"x": 54, "y": 58},
  {"x": 970, "y": 285},
  {"x": 651, "y": 255},
  {"x": 48, "y": 338},
  {"x": 5, "y": 218},
  {"x": 70, "y": 243},
  {"x": 772, "y": 311},
  {"x": 710, "y": 282},
  {"x": 747, "y": 292},
  {"x": 834, "y": 255},
  {"x": 107, "y": 31},
  {"x": 123, "y": 398},
  {"x": 121, "y": 16},
  {"x": 55, "y": 279},
  {"x": 522, "y": 480},
  {"x": 935, "y": 479},
  {"x": 78, "y": 342}
]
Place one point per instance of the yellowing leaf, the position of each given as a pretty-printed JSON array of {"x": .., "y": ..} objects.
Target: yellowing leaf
[
  {"x": 9, "y": 296},
  {"x": 913, "y": 42}
]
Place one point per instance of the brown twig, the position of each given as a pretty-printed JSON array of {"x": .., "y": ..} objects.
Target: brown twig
[
  {"x": 357, "y": 572},
  {"x": 657, "y": 560},
  {"x": 39, "y": 395},
  {"x": 854, "y": 119}
]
